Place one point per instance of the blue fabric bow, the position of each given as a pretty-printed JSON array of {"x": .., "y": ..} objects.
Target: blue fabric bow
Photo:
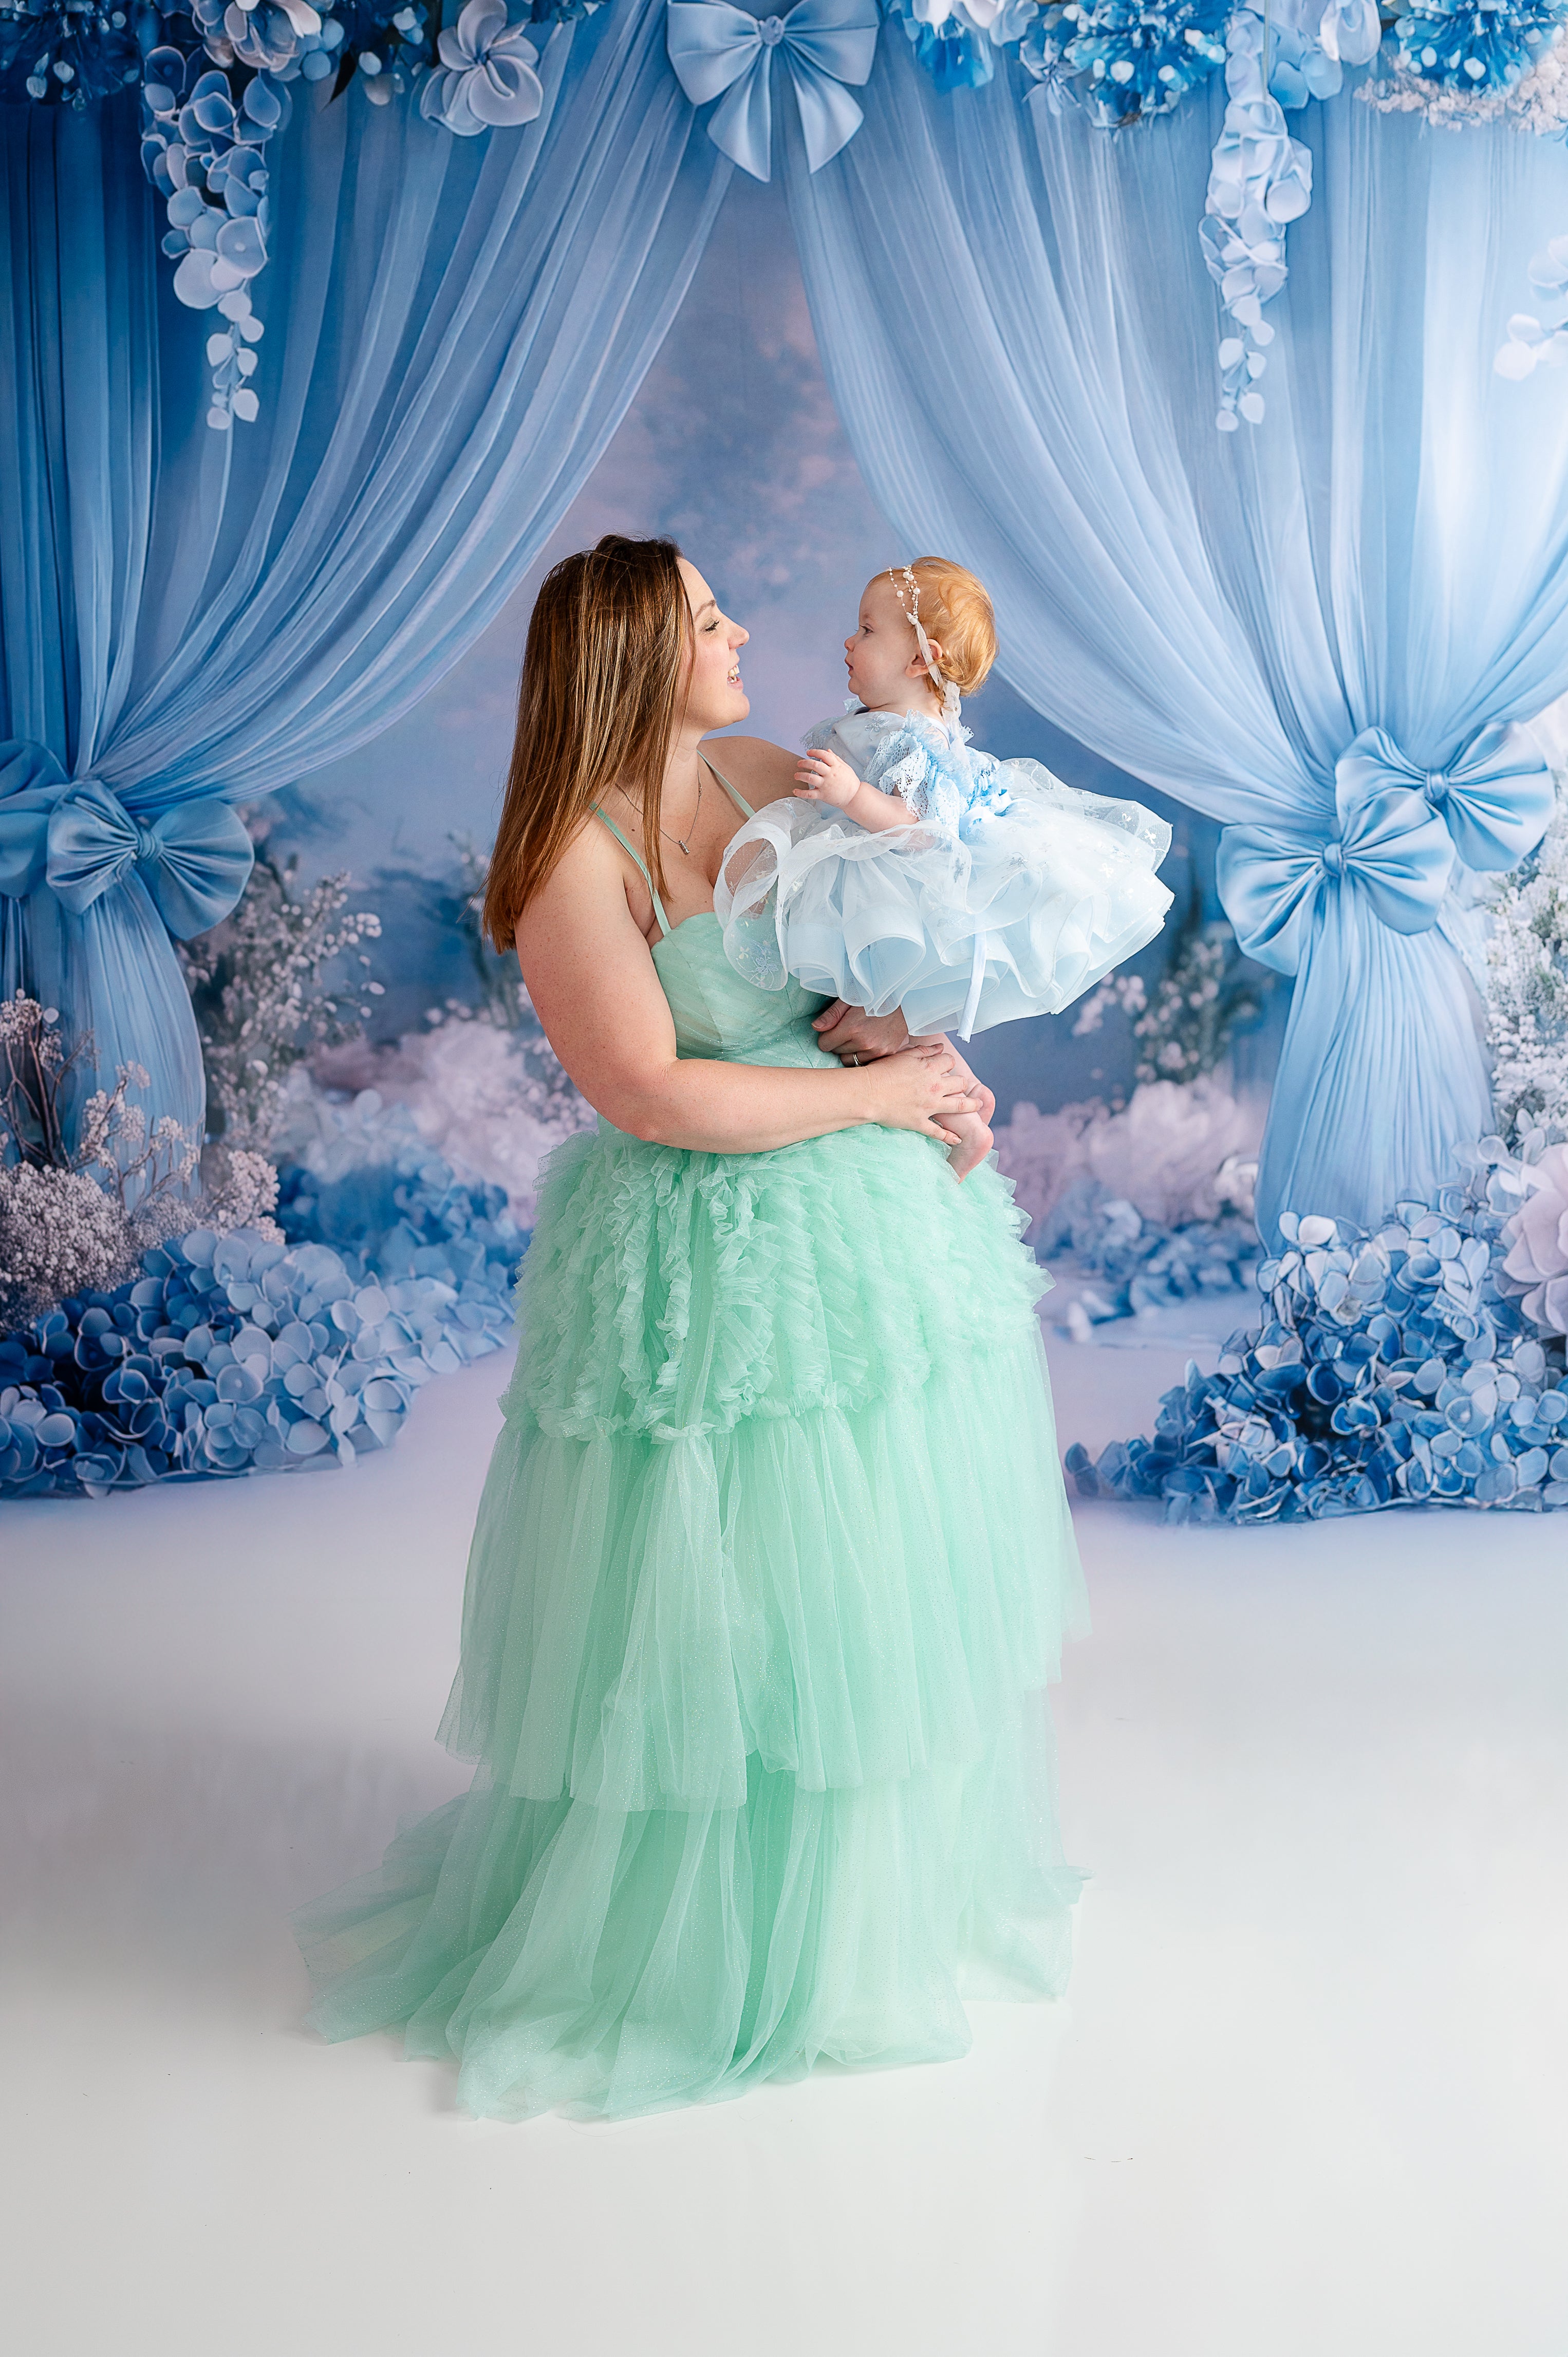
[
  {"x": 715, "y": 49},
  {"x": 77, "y": 836},
  {"x": 1399, "y": 828}
]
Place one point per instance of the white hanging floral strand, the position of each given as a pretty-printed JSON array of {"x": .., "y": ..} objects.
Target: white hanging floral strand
[
  {"x": 1537, "y": 338},
  {"x": 1261, "y": 181}
]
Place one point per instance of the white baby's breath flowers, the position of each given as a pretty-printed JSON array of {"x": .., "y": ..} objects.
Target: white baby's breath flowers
[
  {"x": 1527, "y": 988},
  {"x": 1538, "y": 101},
  {"x": 1185, "y": 1032},
  {"x": 60, "y": 1233},
  {"x": 262, "y": 987},
  {"x": 76, "y": 1216}
]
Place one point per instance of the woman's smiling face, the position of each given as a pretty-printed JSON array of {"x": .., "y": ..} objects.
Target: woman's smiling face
[{"x": 714, "y": 696}]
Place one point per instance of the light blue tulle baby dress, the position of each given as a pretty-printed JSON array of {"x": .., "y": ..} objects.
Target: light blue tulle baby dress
[
  {"x": 772, "y": 1567},
  {"x": 1008, "y": 894}
]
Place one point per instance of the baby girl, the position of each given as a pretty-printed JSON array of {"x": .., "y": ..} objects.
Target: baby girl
[{"x": 911, "y": 870}]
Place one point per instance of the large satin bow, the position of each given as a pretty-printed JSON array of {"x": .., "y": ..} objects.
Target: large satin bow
[
  {"x": 76, "y": 835},
  {"x": 716, "y": 49},
  {"x": 1397, "y": 830}
]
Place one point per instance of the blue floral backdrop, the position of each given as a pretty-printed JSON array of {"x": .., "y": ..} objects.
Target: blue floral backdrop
[
  {"x": 322, "y": 318},
  {"x": 732, "y": 445}
]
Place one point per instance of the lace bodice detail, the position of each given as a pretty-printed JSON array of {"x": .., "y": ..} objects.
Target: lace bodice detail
[{"x": 936, "y": 772}]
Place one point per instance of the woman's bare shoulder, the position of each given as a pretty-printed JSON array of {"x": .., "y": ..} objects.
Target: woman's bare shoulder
[
  {"x": 588, "y": 883},
  {"x": 759, "y": 768},
  {"x": 589, "y": 861}
]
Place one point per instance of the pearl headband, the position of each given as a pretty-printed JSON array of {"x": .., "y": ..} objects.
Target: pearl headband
[{"x": 945, "y": 688}]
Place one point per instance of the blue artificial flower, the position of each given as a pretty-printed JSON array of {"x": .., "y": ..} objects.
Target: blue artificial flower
[
  {"x": 1394, "y": 1368},
  {"x": 1123, "y": 61},
  {"x": 1135, "y": 1264},
  {"x": 51, "y": 52},
  {"x": 1469, "y": 46},
  {"x": 235, "y": 1354},
  {"x": 1299, "y": 68},
  {"x": 485, "y": 79},
  {"x": 955, "y": 54}
]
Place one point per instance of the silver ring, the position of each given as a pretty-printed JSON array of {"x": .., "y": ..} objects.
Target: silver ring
[{"x": 855, "y": 1062}]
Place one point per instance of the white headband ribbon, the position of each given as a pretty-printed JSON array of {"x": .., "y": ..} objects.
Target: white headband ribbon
[{"x": 945, "y": 688}]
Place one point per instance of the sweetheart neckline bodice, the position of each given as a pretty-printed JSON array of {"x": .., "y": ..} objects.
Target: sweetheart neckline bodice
[
  {"x": 718, "y": 1012},
  {"x": 679, "y": 927}
]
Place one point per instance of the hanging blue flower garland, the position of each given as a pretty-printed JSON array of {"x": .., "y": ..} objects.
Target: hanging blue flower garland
[{"x": 215, "y": 75}]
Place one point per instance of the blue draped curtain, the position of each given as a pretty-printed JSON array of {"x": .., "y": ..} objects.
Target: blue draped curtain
[
  {"x": 1312, "y": 630},
  {"x": 454, "y": 330}
]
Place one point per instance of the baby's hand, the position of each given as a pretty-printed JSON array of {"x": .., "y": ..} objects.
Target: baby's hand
[{"x": 822, "y": 777}]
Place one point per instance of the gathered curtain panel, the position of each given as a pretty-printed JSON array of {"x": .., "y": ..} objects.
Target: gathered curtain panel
[
  {"x": 187, "y": 619},
  {"x": 1318, "y": 631}
]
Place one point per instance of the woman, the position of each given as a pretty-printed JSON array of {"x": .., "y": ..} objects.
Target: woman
[{"x": 774, "y": 1558}]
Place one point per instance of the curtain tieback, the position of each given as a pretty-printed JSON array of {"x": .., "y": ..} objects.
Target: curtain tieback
[
  {"x": 1396, "y": 831},
  {"x": 77, "y": 836},
  {"x": 716, "y": 49}
]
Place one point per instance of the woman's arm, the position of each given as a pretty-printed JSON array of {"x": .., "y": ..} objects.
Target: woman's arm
[
  {"x": 765, "y": 772},
  {"x": 858, "y": 1038},
  {"x": 594, "y": 987}
]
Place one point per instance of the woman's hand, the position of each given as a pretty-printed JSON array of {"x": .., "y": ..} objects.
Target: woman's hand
[
  {"x": 916, "y": 1088},
  {"x": 857, "y": 1037},
  {"x": 985, "y": 1098}
]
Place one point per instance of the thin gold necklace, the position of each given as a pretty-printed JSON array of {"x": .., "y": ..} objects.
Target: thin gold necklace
[{"x": 696, "y": 814}]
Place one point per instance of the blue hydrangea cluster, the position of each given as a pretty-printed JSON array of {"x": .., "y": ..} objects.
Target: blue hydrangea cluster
[
  {"x": 954, "y": 54},
  {"x": 1393, "y": 1371},
  {"x": 409, "y": 1217},
  {"x": 1123, "y": 61},
  {"x": 1471, "y": 45},
  {"x": 1138, "y": 1264},
  {"x": 79, "y": 51},
  {"x": 66, "y": 51},
  {"x": 382, "y": 45},
  {"x": 235, "y": 1354}
]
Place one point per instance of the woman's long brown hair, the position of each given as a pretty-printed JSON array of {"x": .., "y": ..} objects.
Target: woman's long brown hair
[{"x": 600, "y": 701}]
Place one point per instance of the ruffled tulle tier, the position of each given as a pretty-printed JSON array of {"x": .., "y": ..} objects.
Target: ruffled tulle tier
[
  {"x": 670, "y": 1293},
  {"x": 772, "y": 1563},
  {"x": 1017, "y": 917},
  {"x": 601, "y": 1964},
  {"x": 847, "y": 1595}
]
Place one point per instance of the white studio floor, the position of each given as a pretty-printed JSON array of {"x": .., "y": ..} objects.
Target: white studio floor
[{"x": 1308, "y": 2097}]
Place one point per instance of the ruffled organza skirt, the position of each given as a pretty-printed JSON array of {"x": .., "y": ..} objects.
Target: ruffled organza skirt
[
  {"x": 1018, "y": 917},
  {"x": 772, "y": 1567}
]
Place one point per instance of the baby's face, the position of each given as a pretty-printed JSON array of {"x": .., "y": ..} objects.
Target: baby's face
[{"x": 882, "y": 657}]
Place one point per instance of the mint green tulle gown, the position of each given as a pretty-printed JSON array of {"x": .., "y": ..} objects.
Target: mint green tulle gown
[{"x": 772, "y": 1567}]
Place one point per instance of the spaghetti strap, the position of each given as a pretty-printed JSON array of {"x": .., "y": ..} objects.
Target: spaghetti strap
[
  {"x": 664, "y": 924},
  {"x": 739, "y": 800}
]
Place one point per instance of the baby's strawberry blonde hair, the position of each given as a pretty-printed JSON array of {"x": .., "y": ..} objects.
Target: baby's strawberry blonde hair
[{"x": 954, "y": 609}]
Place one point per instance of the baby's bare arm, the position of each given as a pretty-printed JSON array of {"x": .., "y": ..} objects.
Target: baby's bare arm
[{"x": 822, "y": 777}]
